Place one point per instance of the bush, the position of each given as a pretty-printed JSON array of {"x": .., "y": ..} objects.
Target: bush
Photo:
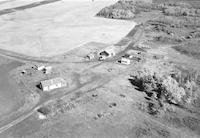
[
  {"x": 44, "y": 110},
  {"x": 173, "y": 92}
]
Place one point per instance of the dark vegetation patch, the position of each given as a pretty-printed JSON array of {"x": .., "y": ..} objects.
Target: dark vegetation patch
[
  {"x": 191, "y": 49},
  {"x": 119, "y": 10},
  {"x": 163, "y": 133},
  {"x": 163, "y": 93},
  {"x": 196, "y": 102},
  {"x": 125, "y": 9},
  {"x": 192, "y": 123},
  {"x": 44, "y": 110},
  {"x": 150, "y": 130},
  {"x": 142, "y": 132},
  {"x": 173, "y": 120},
  {"x": 179, "y": 9},
  {"x": 178, "y": 21},
  {"x": 166, "y": 40},
  {"x": 193, "y": 3}
]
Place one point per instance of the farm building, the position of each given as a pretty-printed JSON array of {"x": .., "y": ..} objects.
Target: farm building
[
  {"x": 48, "y": 70},
  {"x": 43, "y": 68},
  {"x": 127, "y": 56},
  {"x": 52, "y": 84},
  {"x": 107, "y": 52},
  {"x": 40, "y": 68},
  {"x": 125, "y": 61},
  {"x": 90, "y": 56}
]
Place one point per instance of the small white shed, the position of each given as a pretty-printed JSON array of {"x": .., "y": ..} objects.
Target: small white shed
[
  {"x": 48, "y": 70},
  {"x": 90, "y": 56},
  {"x": 40, "y": 68},
  {"x": 125, "y": 61}
]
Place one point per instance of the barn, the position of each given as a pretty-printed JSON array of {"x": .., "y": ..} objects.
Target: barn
[
  {"x": 52, "y": 84},
  {"x": 108, "y": 51}
]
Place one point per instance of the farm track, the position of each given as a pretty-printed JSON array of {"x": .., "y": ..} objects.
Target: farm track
[
  {"x": 24, "y": 58},
  {"x": 28, "y": 6}
]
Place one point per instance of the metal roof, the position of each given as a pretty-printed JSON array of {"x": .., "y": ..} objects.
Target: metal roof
[{"x": 53, "y": 81}]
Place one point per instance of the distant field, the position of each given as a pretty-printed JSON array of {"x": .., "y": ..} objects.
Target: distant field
[{"x": 195, "y": 3}]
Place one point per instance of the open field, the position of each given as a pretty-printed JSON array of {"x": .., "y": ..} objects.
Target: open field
[
  {"x": 58, "y": 27},
  {"x": 10, "y": 99}
]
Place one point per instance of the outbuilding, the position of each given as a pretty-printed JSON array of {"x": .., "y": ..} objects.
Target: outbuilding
[
  {"x": 48, "y": 70},
  {"x": 125, "y": 61},
  {"x": 40, "y": 68},
  {"x": 52, "y": 84},
  {"x": 107, "y": 52},
  {"x": 90, "y": 56}
]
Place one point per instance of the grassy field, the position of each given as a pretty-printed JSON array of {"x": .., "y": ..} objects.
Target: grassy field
[{"x": 10, "y": 97}]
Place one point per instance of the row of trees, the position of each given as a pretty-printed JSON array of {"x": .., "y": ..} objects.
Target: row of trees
[
  {"x": 179, "y": 11},
  {"x": 178, "y": 22}
]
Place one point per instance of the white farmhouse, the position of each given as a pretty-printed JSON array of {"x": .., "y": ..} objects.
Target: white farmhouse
[
  {"x": 40, "y": 68},
  {"x": 125, "y": 61}
]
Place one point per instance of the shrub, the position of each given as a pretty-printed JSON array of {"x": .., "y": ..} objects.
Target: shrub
[
  {"x": 44, "y": 110},
  {"x": 173, "y": 92}
]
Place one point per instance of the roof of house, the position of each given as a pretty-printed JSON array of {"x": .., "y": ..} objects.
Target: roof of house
[
  {"x": 52, "y": 81},
  {"x": 125, "y": 59}
]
